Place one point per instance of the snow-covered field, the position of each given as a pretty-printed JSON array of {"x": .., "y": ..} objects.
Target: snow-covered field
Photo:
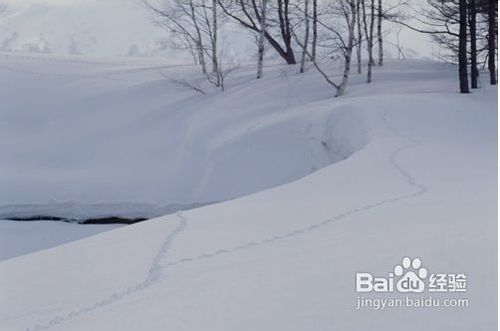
[{"x": 402, "y": 167}]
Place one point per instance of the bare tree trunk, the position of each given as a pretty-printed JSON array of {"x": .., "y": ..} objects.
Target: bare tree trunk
[
  {"x": 379, "y": 34},
  {"x": 399, "y": 46},
  {"x": 306, "y": 37},
  {"x": 348, "y": 50},
  {"x": 372, "y": 30},
  {"x": 492, "y": 36},
  {"x": 360, "y": 34},
  {"x": 474, "y": 74},
  {"x": 315, "y": 29},
  {"x": 199, "y": 40},
  {"x": 462, "y": 48},
  {"x": 262, "y": 39},
  {"x": 286, "y": 30},
  {"x": 371, "y": 62},
  {"x": 215, "y": 63},
  {"x": 193, "y": 51}
]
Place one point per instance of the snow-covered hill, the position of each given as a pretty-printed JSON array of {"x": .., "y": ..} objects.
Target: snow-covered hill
[
  {"x": 83, "y": 27},
  {"x": 79, "y": 27},
  {"x": 402, "y": 167}
]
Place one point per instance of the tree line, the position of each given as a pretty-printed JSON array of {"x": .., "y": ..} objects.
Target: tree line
[
  {"x": 310, "y": 31},
  {"x": 467, "y": 29}
]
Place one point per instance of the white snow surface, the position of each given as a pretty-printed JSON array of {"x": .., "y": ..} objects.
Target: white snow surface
[
  {"x": 19, "y": 238},
  {"x": 404, "y": 166}
]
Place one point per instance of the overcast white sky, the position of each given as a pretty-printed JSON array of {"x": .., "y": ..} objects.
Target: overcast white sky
[{"x": 105, "y": 28}]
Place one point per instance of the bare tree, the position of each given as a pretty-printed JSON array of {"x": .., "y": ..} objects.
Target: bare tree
[
  {"x": 209, "y": 25},
  {"x": 473, "y": 43},
  {"x": 214, "y": 40},
  {"x": 368, "y": 27},
  {"x": 315, "y": 29},
  {"x": 492, "y": 36},
  {"x": 286, "y": 28},
  {"x": 359, "y": 40},
  {"x": 262, "y": 38},
  {"x": 306, "y": 37},
  {"x": 462, "y": 48},
  {"x": 345, "y": 9},
  {"x": 350, "y": 21},
  {"x": 196, "y": 24},
  {"x": 182, "y": 19},
  {"x": 218, "y": 79},
  {"x": 380, "y": 15},
  {"x": 398, "y": 45},
  {"x": 198, "y": 38},
  {"x": 246, "y": 13}
]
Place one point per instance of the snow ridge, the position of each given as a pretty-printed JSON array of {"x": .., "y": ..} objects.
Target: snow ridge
[
  {"x": 152, "y": 277},
  {"x": 156, "y": 267},
  {"x": 420, "y": 189}
]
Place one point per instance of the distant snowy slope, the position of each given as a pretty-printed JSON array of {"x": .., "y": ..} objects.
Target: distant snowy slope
[
  {"x": 19, "y": 238},
  {"x": 84, "y": 27},
  {"x": 79, "y": 27},
  {"x": 422, "y": 183}
]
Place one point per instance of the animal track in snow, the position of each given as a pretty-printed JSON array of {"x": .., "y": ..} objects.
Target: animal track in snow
[
  {"x": 152, "y": 277},
  {"x": 420, "y": 190}
]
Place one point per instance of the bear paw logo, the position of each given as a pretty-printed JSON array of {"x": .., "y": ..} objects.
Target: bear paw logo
[{"x": 412, "y": 274}]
